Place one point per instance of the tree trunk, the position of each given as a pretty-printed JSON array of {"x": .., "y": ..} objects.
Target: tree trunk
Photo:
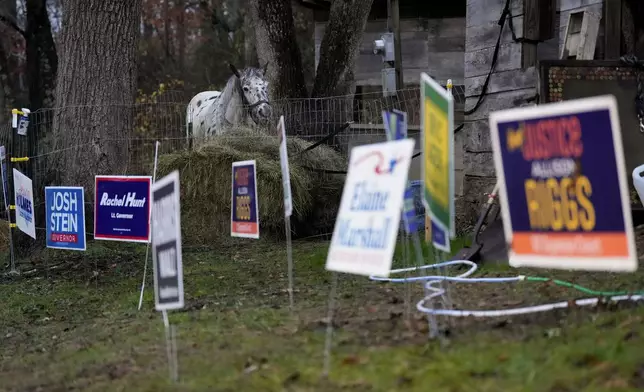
[
  {"x": 276, "y": 43},
  {"x": 339, "y": 47},
  {"x": 250, "y": 51},
  {"x": 5, "y": 92},
  {"x": 7, "y": 10},
  {"x": 96, "y": 88},
  {"x": 633, "y": 27},
  {"x": 181, "y": 37},
  {"x": 42, "y": 58},
  {"x": 166, "y": 27}
]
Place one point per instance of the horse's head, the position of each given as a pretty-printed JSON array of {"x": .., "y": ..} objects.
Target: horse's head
[{"x": 254, "y": 91}]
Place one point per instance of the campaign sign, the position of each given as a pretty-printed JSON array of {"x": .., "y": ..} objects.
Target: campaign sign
[
  {"x": 286, "y": 177},
  {"x": 122, "y": 208},
  {"x": 65, "y": 217},
  {"x": 366, "y": 227},
  {"x": 396, "y": 128},
  {"x": 410, "y": 219},
  {"x": 244, "y": 214},
  {"x": 166, "y": 243},
  {"x": 437, "y": 114},
  {"x": 5, "y": 180},
  {"x": 563, "y": 185},
  {"x": 395, "y": 124},
  {"x": 24, "y": 195}
]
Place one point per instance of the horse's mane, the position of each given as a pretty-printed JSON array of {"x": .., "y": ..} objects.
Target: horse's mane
[{"x": 233, "y": 90}]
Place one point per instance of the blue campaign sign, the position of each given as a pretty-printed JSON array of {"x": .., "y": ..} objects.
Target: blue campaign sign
[
  {"x": 563, "y": 185},
  {"x": 439, "y": 237},
  {"x": 409, "y": 211},
  {"x": 65, "y": 217},
  {"x": 122, "y": 208},
  {"x": 395, "y": 123}
]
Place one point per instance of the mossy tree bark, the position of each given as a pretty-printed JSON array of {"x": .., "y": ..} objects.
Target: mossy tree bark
[{"x": 95, "y": 89}]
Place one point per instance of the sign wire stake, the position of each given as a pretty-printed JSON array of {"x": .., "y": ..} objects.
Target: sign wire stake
[
  {"x": 289, "y": 258},
  {"x": 329, "y": 326},
  {"x": 433, "y": 330},
  {"x": 406, "y": 264},
  {"x": 147, "y": 247},
  {"x": 169, "y": 345},
  {"x": 288, "y": 205}
]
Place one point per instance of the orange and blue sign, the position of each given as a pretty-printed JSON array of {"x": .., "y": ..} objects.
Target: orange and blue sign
[
  {"x": 563, "y": 185},
  {"x": 244, "y": 214}
]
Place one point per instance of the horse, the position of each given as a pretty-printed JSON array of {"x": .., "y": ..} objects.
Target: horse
[{"x": 244, "y": 100}]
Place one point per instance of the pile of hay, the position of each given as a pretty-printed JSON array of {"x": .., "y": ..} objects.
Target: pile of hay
[{"x": 205, "y": 176}]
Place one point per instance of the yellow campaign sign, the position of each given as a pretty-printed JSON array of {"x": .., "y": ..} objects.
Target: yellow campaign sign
[
  {"x": 437, "y": 143},
  {"x": 438, "y": 164}
]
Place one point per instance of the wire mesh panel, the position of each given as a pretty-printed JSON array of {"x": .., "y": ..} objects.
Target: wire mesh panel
[{"x": 338, "y": 123}]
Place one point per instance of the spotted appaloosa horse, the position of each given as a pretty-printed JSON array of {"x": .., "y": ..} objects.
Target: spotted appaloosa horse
[{"x": 243, "y": 101}]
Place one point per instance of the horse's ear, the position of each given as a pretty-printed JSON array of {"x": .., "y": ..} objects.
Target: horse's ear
[
  {"x": 265, "y": 67},
  {"x": 234, "y": 70}
]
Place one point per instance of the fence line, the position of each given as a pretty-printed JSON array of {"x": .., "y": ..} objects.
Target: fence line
[{"x": 142, "y": 124}]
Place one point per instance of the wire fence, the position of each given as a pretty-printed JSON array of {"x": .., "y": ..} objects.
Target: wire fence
[{"x": 120, "y": 139}]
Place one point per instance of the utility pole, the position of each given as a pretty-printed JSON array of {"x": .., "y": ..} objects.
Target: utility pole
[
  {"x": 388, "y": 46},
  {"x": 395, "y": 19}
]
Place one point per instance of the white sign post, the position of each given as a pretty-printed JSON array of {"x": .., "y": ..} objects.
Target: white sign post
[
  {"x": 366, "y": 228},
  {"x": 24, "y": 195},
  {"x": 147, "y": 248},
  {"x": 166, "y": 256},
  {"x": 288, "y": 205}
]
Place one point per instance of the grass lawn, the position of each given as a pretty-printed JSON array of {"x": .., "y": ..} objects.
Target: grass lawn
[{"x": 73, "y": 329}]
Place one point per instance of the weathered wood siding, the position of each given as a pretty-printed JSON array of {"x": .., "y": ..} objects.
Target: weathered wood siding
[
  {"x": 509, "y": 87},
  {"x": 566, "y": 7},
  {"x": 434, "y": 46}
]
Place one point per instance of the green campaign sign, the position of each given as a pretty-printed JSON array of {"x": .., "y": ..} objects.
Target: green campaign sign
[{"x": 437, "y": 110}]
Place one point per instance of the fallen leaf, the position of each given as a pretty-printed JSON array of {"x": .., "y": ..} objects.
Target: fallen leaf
[
  {"x": 614, "y": 383},
  {"x": 630, "y": 335},
  {"x": 351, "y": 360},
  {"x": 293, "y": 377}
]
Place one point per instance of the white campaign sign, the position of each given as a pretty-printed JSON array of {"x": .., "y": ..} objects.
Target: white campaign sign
[
  {"x": 166, "y": 243},
  {"x": 24, "y": 200},
  {"x": 286, "y": 178},
  {"x": 366, "y": 228}
]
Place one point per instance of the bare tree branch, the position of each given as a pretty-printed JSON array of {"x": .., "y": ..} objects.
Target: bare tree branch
[{"x": 13, "y": 25}]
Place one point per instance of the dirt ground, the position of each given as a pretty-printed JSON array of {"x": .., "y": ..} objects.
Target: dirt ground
[{"x": 76, "y": 327}]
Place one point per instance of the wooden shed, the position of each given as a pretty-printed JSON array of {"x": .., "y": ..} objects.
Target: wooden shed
[{"x": 474, "y": 41}]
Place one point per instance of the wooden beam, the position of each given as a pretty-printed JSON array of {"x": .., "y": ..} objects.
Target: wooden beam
[
  {"x": 612, "y": 29},
  {"x": 395, "y": 19},
  {"x": 538, "y": 26},
  {"x": 530, "y": 32}
]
